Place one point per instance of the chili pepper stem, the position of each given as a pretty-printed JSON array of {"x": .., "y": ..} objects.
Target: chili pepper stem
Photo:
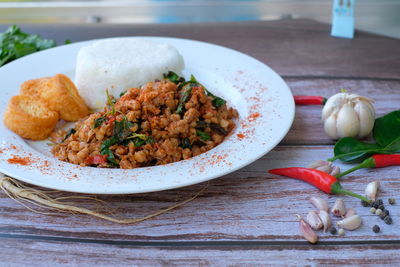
[
  {"x": 368, "y": 163},
  {"x": 338, "y": 189}
]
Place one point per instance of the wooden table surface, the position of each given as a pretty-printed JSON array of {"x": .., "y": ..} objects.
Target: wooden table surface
[{"x": 246, "y": 217}]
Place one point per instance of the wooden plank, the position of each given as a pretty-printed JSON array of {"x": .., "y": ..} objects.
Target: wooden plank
[
  {"x": 291, "y": 47},
  {"x": 246, "y": 205},
  {"x": 50, "y": 253},
  {"x": 308, "y": 127}
]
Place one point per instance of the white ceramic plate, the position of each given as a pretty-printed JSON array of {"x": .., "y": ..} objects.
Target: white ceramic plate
[{"x": 263, "y": 99}]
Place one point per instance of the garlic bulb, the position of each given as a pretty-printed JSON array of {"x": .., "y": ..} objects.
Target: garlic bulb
[{"x": 348, "y": 115}]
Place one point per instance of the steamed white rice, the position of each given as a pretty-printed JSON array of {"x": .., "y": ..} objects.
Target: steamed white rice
[{"x": 122, "y": 63}]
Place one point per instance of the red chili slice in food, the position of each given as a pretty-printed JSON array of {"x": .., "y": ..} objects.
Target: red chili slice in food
[{"x": 96, "y": 159}]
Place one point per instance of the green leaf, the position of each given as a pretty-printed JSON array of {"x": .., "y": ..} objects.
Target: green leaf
[
  {"x": 122, "y": 129},
  {"x": 386, "y": 133},
  {"x": 217, "y": 128},
  {"x": 138, "y": 142},
  {"x": 185, "y": 96},
  {"x": 218, "y": 102},
  {"x": 15, "y": 44},
  {"x": 186, "y": 143},
  {"x": 394, "y": 146},
  {"x": 105, "y": 150},
  {"x": 99, "y": 121},
  {"x": 387, "y": 129},
  {"x": 173, "y": 77},
  {"x": 203, "y": 135},
  {"x": 70, "y": 132},
  {"x": 349, "y": 149}
]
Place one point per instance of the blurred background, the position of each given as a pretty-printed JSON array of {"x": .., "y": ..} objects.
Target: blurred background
[{"x": 377, "y": 16}]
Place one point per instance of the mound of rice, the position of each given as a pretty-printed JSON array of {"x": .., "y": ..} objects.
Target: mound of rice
[{"x": 119, "y": 64}]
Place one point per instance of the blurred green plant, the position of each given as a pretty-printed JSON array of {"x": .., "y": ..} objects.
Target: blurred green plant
[{"x": 15, "y": 44}]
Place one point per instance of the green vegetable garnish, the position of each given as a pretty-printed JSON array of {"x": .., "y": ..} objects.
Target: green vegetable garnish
[
  {"x": 186, "y": 91},
  {"x": 121, "y": 94},
  {"x": 105, "y": 150},
  {"x": 140, "y": 139},
  {"x": 122, "y": 129},
  {"x": 203, "y": 135},
  {"x": 217, "y": 101},
  {"x": 99, "y": 121},
  {"x": 110, "y": 103},
  {"x": 15, "y": 44},
  {"x": 386, "y": 134},
  {"x": 186, "y": 143},
  {"x": 173, "y": 77},
  {"x": 217, "y": 128},
  {"x": 70, "y": 132}
]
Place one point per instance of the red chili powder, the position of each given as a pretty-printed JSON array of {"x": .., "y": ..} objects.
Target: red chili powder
[
  {"x": 241, "y": 136},
  {"x": 253, "y": 116},
  {"x": 20, "y": 161}
]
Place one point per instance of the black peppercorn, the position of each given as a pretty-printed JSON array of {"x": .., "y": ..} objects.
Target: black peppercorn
[
  {"x": 391, "y": 201},
  {"x": 383, "y": 214},
  {"x": 380, "y": 201},
  {"x": 375, "y": 204},
  {"x": 381, "y": 207},
  {"x": 333, "y": 231},
  {"x": 376, "y": 229},
  {"x": 388, "y": 220},
  {"x": 365, "y": 203}
]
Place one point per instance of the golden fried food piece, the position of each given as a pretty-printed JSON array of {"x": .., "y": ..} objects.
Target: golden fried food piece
[
  {"x": 61, "y": 95},
  {"x": 31, "y": 87},
  {"x": 30, "y": 117}
]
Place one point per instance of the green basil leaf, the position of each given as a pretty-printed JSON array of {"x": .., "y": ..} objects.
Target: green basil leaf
[
  {"x": 186, "y": 143},
  {"x": 218, "y": 102},
  {"x": 105, "y": 150},
  {"x": 99, "y": 121},
  {"x": 185, "y": 96},
  {"x": 387, "y": 129},
  {"x": 70, "y": 132},
  {"x": 173, "y": 77},
  {"x": 203, "y": 135},
  {"x": 217, "y": 128},
  {"x": 349, "y": 149},
  {"x": 106, "y": 144},
  {"x": 122, "y": 129}
]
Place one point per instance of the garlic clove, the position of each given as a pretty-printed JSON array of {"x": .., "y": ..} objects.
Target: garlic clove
[
  {"x": 314, "y": 221},
  {"x": 338, "y": 208},
  {"x": 319, "y": 203},
  {"x": 325, "y": 168},
  {"x": 350, "y": 212},
  {"x": 318, "y": 163},
  {"x": 372, "y": 189},
  {"x": 347, "y": 122},
  {"x": 366, "y": 117},
  {"x": 332, "y": 104},
  {"x": 326, "y": 219},
  {"x": 306, "y": 230},
  {"x": 330, "y": 126},
  {"x": 335, "y": 170},
  {"x": 350, "y": 223}
]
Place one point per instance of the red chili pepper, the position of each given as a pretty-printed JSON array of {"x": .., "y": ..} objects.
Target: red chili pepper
[
  {"x": 309, "y": 100},
  {"x": 375, "y": 161},
  {"x": 111, "y": 119},
  {"x": 317, "y": 178},
  {"x": 96, "y": 159}
]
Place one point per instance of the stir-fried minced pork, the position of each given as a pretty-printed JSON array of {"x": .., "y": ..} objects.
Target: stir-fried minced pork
[{"x": 160, "y": 123}]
